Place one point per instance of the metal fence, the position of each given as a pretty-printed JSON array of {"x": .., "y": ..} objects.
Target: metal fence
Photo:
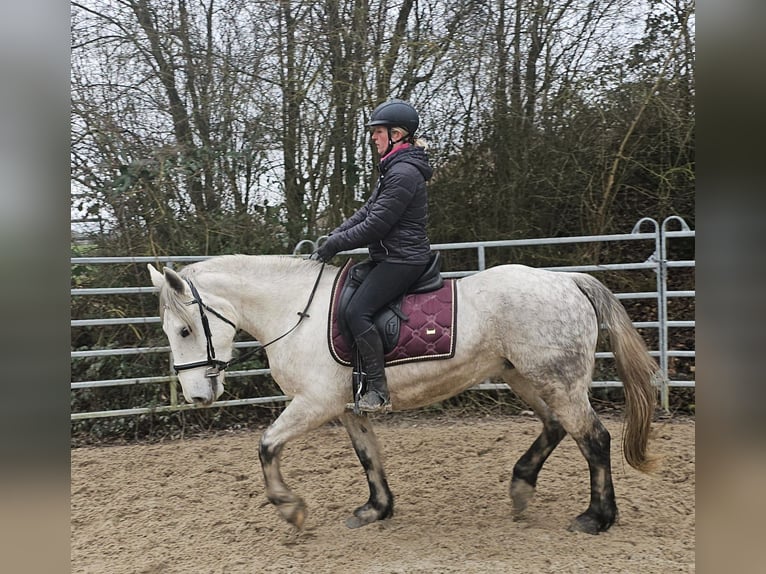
[{"x": 649, "y": 232}]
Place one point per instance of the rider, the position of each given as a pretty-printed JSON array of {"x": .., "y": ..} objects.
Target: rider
[{"x": 393, "y": 226}]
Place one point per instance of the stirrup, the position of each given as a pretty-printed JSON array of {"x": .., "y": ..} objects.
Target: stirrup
[{"x": 383, "y": 406}]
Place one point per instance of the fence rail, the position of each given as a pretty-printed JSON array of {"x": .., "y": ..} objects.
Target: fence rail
[{"x": 657, "y": 261}]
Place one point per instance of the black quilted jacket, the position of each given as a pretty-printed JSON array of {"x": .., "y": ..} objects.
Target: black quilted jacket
[{"x": 393, "y": 221}]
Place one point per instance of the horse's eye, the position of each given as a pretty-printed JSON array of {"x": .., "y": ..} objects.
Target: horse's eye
[{"x": 185, "y": 332}]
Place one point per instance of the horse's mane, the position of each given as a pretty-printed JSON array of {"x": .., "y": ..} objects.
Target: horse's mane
[
  {"x": 248, "y": 264},
  {"x": 278, "y": 265}
]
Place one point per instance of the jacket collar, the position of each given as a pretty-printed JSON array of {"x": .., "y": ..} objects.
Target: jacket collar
[{"x": 397, "y": 147}]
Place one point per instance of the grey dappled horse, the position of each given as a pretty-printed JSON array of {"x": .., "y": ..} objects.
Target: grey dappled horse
[{"x": 536, "y": 330}]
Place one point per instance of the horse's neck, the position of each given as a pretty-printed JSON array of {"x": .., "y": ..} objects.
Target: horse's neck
[{"x": 269, "y": 295}]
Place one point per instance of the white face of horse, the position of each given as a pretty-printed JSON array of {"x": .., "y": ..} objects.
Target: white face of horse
[{"x": 200, "y": 351}]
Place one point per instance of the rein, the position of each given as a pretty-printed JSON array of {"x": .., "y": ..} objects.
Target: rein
[
  {"x": 302, "y": 314},
  {"x": 216, "y": 365}
]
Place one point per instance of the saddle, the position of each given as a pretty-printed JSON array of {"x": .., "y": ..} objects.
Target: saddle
[
  {"x": 418, "y": 325},
  {"x": 388, "y": 319}
]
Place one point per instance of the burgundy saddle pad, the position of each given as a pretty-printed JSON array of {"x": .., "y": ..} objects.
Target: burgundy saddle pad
[{"x": 427, "y": 334}]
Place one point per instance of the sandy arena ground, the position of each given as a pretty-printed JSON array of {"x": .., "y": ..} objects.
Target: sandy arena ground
[{"x": 197, "y": 505}]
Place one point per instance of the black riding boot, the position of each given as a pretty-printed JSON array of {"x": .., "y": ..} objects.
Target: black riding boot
[{"x": 371, "y": 349}]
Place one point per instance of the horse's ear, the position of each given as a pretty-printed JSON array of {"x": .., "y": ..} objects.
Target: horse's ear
[
  {"x": 168, "y": 276},
  {"x": 157, "y": 278},
  {"x": 174, "y": 280}
]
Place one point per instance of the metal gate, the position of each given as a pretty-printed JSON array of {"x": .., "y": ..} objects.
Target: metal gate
[{"x": 647, "y": 230}]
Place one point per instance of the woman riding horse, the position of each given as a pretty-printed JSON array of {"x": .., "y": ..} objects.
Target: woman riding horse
[{"x": 393, "y": 226}]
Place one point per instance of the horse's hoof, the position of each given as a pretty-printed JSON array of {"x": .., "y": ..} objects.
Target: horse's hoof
[
  {"x": 358, "y": 522},
  {"x": 588, "y": 524},
  {"x": 366, "y": 514},
  {"x": 299, "y": 518},
  {"x": 521, "y": 493},
  {"x": 294, "y": 513}
]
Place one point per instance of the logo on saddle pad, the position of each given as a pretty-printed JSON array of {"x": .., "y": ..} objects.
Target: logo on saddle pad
[{"x": 418, "y": 326}]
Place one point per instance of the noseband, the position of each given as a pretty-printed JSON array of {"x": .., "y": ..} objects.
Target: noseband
[{"x": 214, "y": 365}]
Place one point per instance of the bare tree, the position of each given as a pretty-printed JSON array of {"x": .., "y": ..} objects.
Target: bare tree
[
  {"x": 241, "y": 123},
  {"x": 166, "y": 131}
]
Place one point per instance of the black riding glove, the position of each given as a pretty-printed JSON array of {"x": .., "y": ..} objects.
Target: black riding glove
[{"x": 326, "y": 251}]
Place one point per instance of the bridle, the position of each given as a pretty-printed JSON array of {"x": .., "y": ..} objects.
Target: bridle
[{"x": 215, "y": 366}]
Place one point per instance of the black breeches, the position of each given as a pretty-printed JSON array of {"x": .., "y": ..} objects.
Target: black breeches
[{"x": 385, "y": 282}]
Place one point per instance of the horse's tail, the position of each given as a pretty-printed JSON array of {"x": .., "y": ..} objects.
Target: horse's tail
[{"x": 635, "y": 367}]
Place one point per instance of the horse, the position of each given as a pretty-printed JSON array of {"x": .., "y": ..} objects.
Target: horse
[{"x": 534, "y": 329}]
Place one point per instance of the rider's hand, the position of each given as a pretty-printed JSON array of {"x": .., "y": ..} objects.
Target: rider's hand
[{"x": 326, "y": 251}]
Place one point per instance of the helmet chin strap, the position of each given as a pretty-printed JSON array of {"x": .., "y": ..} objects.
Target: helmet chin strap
[{"x": 391, "y": 142}]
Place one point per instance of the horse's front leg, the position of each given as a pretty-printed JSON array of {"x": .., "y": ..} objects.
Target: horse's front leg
[
  {"x": 380, "y": 505},
  {"x": 294, "y": 421}
]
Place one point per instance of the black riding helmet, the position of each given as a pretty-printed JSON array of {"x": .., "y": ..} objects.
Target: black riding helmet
[{"x": 395, "y": 113}]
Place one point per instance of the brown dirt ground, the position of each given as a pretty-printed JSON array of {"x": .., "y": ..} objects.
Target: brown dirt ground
[{"x": 197, "y": 505}]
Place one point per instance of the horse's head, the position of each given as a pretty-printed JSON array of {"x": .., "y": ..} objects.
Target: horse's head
[{"x": 201, "y": 332}]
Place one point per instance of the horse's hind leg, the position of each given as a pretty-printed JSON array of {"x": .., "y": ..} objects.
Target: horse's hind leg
[
  {"x": 527, "y": 468},
  {"x": 594, "y": 443},
  {"x": 380, "y": 505},
  {"x": 573, "y": 410}
]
